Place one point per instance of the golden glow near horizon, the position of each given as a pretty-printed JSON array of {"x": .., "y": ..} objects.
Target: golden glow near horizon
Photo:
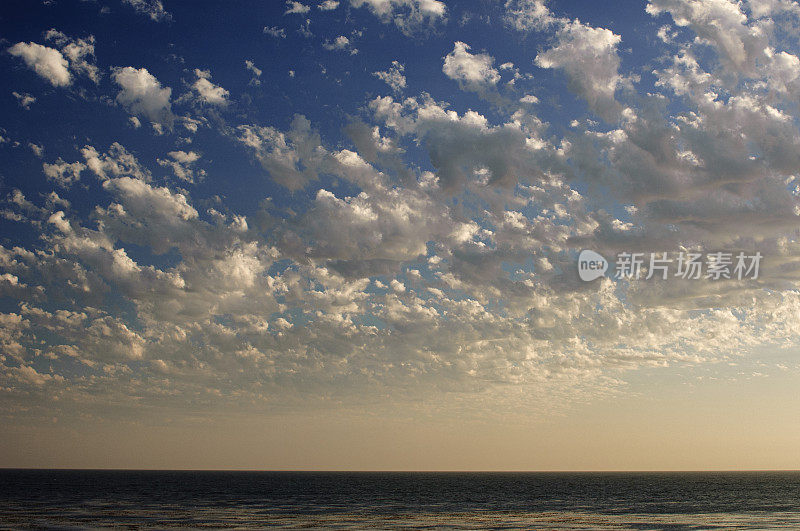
[{"x": 733, "y": 418}]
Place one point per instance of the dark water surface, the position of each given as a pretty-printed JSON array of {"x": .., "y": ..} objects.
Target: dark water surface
[{"x": 92, "y": 499}]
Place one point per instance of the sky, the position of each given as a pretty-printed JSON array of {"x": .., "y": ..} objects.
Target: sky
[{"x": 346, "y": 235}]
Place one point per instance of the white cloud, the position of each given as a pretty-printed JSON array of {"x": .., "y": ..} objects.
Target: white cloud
[
  {"x": 274, "y": 31},
  {"x": 252, "y": 67},
  {"x": 37, "y": 149},
  {"x": 526, "y": 15},
  {"x": 152, "y": 8},
  {"x": 586, "y": 54},
  {"x": 464, "y": 148},
  {"x": 207, "y": 91},
  {"x": 410, "y": 16},
  {"x": 393, "y": 77},
  {"x": 114, "y": 163},
  {"x": 588, "y": 57},
  {"x": 79, "y": 52},
  {"x": 340, "y": 43},
  {"x": 156, "y": 204},
  {"x": 720, "y": 22},
  {"x": 63, "y": 173},
  {"x": 328, "y": 5},
  {"x": 47, "y": 62},
  {"x": 390, "y": 266},
  {"x": 296, "y": 8},
  {"x": 280, "y": 153},
  {"x": 142, "y": 95},
  {"x": 182, "y": 164},
  {"x": 255, "y": 70},
  {"x": 25, "y": 100},
  {"x": 472, "y": 71}
]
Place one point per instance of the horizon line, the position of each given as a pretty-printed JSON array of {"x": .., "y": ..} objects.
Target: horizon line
[{"x": 400, "y": 471}]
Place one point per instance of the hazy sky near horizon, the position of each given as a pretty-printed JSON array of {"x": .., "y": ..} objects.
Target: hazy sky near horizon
[{"x": 343, "y": 234}]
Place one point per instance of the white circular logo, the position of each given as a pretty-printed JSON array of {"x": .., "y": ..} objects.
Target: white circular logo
[{"x": 591, "y": 265}]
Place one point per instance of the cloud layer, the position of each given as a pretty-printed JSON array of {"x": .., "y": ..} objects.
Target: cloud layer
[{"x": 432, "y": 249}]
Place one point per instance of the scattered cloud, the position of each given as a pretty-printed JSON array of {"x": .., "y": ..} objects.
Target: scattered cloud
[
  {"x": 340, "y": 43},
  {"x": 25, "y": 100},
  {"x": 142, "y": 95},
  {"x": 393, "y": 77},
  {"x": 62, "y": 173},
  {"x": 182, "y": 164},
  {"x": 75, "y": 58},
  {"x": 37, "y": 149},
  {"x": 296, "y": 8},
  {"x": 472, "y": 71},
  {"x": 151, "y": 8},
  {"x": 328, "y": 5},
  {"x": 207, "y": 91},
  {"x": 274, "y": 31},
  {"x": 429, "y": 248},
  {"x": 48, "y": 63},
  {"x": 251, "y": 67},
  {"x": 79, "y": 52},
  {"x": 587, "y": 55},
  {"x": 410, "y": 16}
]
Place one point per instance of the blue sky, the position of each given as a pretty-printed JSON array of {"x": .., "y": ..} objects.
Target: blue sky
[{"x": 270, "y": 207}]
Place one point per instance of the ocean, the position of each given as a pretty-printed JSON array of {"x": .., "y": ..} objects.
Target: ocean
[{"x": 79, "y": 499}]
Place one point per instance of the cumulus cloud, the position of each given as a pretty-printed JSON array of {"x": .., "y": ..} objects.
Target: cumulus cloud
[
  {"x": 75, "y": 58},
  {"x": 255, "y": 70},
  {"x": 525, "y": 15},
  {"x": 62, "y": 173},
  {"x": 410, "y": 16},
  {"x": 280, "y": 153},
  {"x": 434, "y": 248},
  {"x": 720, "y": 22},
  {"x": 182, "y": 164},
  {"x": 340, "y": 43},
  {"x": 25, "y": 100},
  {"x": 48, "y": 63},
  {"x": 472, "y": 71},
  {"x": 79, "y": 52},
  {"x": 274, "y": 31},
  {"x": 116, "y": 162},
  {"x": 37, "y": 149},
  {"x": 465, "y": 148},
  {"x": 588, "y": 57},
  {"x": 207, "y": 91},
  {"x": 141, "y": 94},
  {"x": 293, "y": 7},
  {"x": 393, "y": 77},
  {"x": 151, "y": 8}
]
